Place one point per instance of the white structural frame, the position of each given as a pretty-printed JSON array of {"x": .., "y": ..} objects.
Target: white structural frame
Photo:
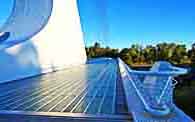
[{"x": 58, "y": 45}]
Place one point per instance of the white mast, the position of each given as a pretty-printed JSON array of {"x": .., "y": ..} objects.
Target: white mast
[{"x": 58, "y": 45}]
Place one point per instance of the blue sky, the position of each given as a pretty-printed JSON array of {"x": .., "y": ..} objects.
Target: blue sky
[
  {"x": 124, "y": 22},
  {"x": 138, "y": 21}
]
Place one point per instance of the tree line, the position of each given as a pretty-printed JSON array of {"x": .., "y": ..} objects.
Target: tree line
[{"x": 177, "y": 54}]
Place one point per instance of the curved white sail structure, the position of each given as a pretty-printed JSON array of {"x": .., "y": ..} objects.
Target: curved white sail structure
[
  {"x": 51, "y": 37},
  {"x": 27, "y": 18}
]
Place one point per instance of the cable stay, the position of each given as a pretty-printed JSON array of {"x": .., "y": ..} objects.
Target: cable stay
[{"x": 101, "y": 10}]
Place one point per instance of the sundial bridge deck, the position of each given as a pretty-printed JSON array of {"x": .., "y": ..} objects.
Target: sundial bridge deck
[{"x": 92, "y": 89}]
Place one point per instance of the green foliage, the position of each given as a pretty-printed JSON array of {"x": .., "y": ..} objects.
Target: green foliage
[
  {"x": 191, "y": 54},
  {"x": 137, "y": 55},
  {"x": 98, "y": 51}
]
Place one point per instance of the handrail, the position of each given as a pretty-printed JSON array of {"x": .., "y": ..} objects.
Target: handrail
[
  {"x": 175, "y": 71},
  {"x": 170, "y": 72},
  {"x": 156, "y": 112}
]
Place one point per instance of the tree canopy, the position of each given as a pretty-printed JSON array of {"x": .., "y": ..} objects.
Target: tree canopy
[{"x": 137, "y": 55}]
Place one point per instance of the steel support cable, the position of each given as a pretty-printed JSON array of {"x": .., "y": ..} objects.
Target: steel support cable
[{"x": 101, "y": 7}]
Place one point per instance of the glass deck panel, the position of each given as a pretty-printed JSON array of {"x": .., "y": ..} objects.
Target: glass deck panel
[{"x": 94, "y": 88}]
